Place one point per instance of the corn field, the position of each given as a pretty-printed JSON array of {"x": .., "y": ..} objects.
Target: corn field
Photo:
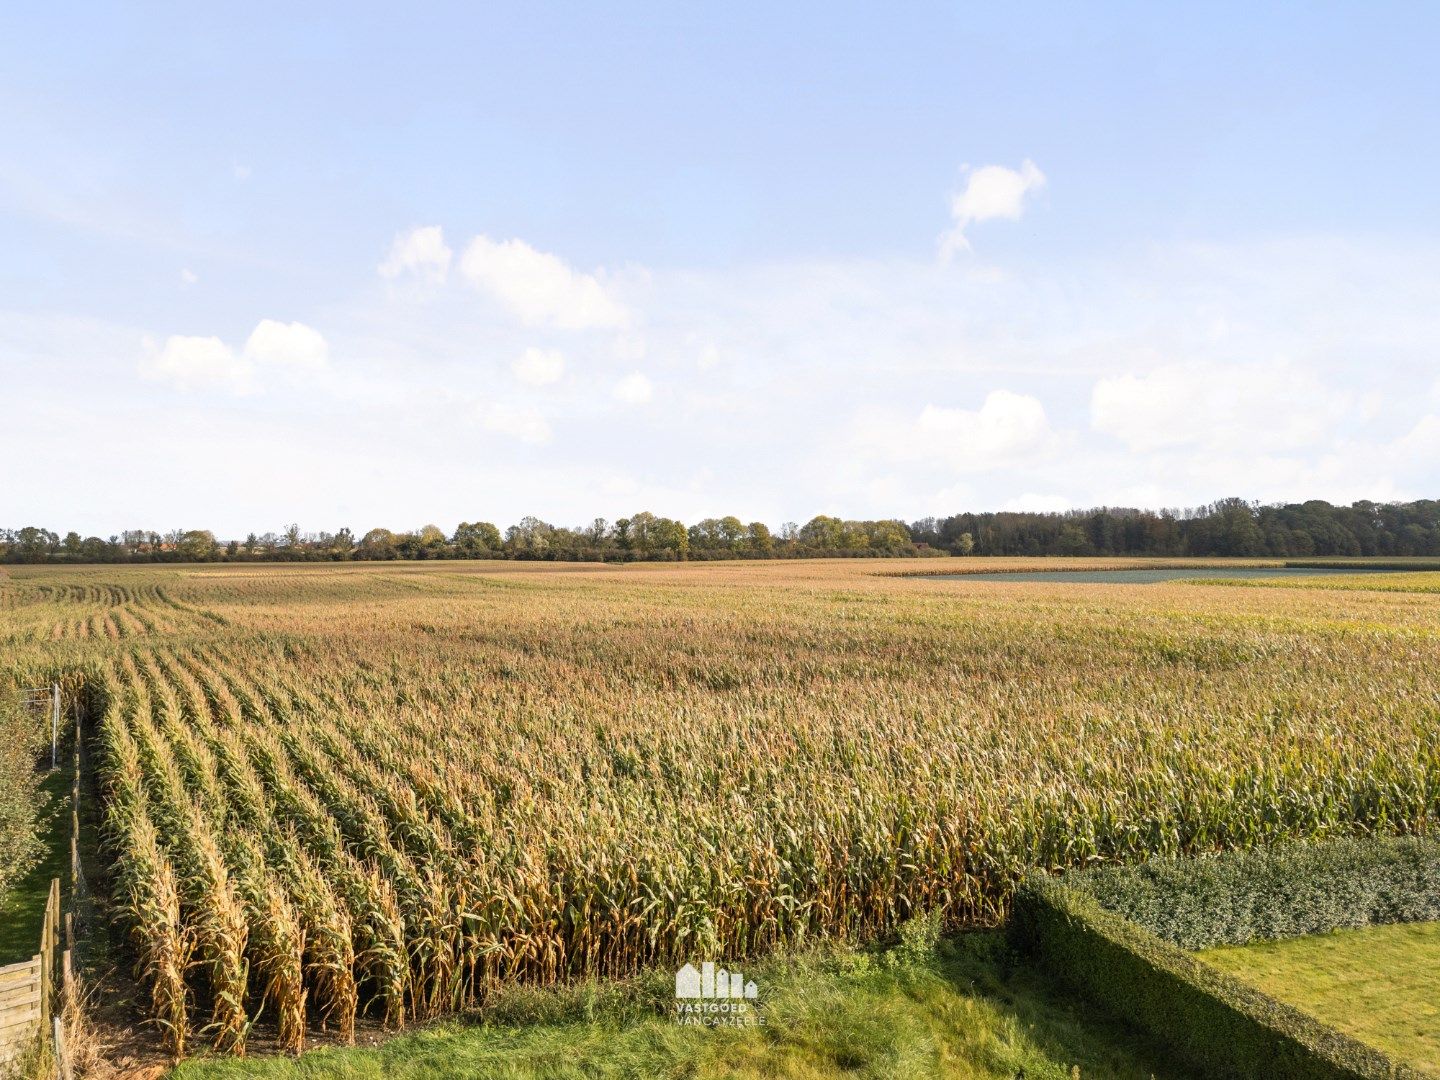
[{"x": 383, "y": 791}]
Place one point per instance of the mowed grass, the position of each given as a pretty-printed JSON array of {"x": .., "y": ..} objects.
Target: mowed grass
[
  {"x": 1380, "y": 984},
  {"x": 22, "y": 910},
  {"x": 962, "y": 1011}
]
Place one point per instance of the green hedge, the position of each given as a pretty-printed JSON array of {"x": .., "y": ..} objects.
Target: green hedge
[
  {"x": 1278, "y": 892},
  {"x": 1213, "y": 1022}
]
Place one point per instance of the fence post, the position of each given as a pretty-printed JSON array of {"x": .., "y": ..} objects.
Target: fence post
[
  {"x": 54, "y": 726},
  {"x": 62, "y": 1052}
]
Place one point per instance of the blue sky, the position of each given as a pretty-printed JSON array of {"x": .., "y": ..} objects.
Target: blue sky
[{"x": 370, "y": 266}]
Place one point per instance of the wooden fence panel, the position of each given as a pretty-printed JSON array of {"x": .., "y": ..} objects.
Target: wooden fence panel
[
  {"x": 27, "y": 989},
  {"x": 21, "y": 1003}
]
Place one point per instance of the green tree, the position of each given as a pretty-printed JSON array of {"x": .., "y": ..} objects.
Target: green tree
[
  {"x": 729, "y": 531},
  {"x": 670, "y": 537},
  {"x": 476, "y": 538},
  {"x": 889, "y": 535},
  {"x": 821, "y": 533},
  {"x": 758, "y": 538},
  {"x": 379, "y": 544},
  {"x": 196, "y": 545},
  {"x": 22, "y": 800}
]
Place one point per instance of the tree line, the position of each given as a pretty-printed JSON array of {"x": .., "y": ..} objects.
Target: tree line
[{"x": 1226, "y": 527}]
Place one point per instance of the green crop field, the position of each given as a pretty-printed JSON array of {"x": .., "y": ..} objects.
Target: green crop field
[
  {"x": 393, "y": 790},
  {"x": 1380, "y": 984}
]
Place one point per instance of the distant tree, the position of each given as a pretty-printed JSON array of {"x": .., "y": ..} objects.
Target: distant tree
[
  {"x": 474, "y": 539},
  {"x": 729, "y": 531},
  {"x": 379, "y": 544},
  {"x": 888, "y": 536},
  {"x": 430, "y": 543},
  {"x": 822, "y": 533},
  {"x": 529, "y": 538},
  {"x": 758, "y": 538},
  {"x": 642, "y": 537},
  {"x": 196, "y": 545},
  {"x": 1073, "y": 541},
  {"x": 670, "y": 537}
]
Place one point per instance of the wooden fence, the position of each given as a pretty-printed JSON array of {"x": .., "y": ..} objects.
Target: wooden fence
[
  {"x": 27, "y": 989},
  {"x": 29, "y": 1003}
]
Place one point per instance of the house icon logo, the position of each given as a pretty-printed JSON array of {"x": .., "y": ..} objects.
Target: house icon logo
[
  {"x": 713, "y": 997},
  {"x": 708, "y": 982}
]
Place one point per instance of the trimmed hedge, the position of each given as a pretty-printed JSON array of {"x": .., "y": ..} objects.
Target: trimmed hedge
[
  {"x": 1215, "y": 1023},
  {"x": 1278, "y": 892}
]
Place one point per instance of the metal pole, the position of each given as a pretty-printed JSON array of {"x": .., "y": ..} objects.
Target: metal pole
[{"x": 54, "y": 726}]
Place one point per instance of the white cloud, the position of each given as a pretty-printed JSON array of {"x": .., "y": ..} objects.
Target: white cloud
[
  {"x": 193, "y": 363},
  {"x": 196, "y": 363},
  {"x": 422, "y": 252},
  {"x": 540, "y": 288},
  {"x": 1005, "y": 425},
  {"x": 241, "y": 172},
  {"x": 829, "y": 364},
  {"x": 1422, "y": 442},
  {"x": 1275, "y": 406},
  {"x": 1006, "y": 430},
  {"x": 293, "y": 345},
  {"x": 1034, "y": 503},
  {"x": 522, "y": 423},
  {"x": 634, "y": 389},
  {"x": 188, "y": 277},
  {"x": 991, "y": 192},
  {"x": 539, "y": 367}
]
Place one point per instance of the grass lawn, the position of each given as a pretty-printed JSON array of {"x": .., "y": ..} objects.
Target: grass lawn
[
  {"x": 22, "y": 909},
  {"x": 961, "y": 1011},
  {"x": 1380, "y": 984}
]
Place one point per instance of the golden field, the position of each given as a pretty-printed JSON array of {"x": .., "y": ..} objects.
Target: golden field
[{"x": 389, "y": 788}]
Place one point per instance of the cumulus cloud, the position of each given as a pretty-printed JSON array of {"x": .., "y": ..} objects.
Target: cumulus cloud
[
  {"x": 421, "y": 252},
  {"x": 1007, "y": 428},
  {"x": 634, "y": 389},
  {"x": 1006, "y": 424},
  {"x": 521, "y": 423},
  {"x": 991, "y": 192},
  {"x": 193, "y": 363},
  {"x": 287, "y": 345},
  {"x": 196, "y": 363},
  {"x": 1273, "y": 406},
  {"x": 539, "y": 367},
  {"x": 539, "y": 288}
]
